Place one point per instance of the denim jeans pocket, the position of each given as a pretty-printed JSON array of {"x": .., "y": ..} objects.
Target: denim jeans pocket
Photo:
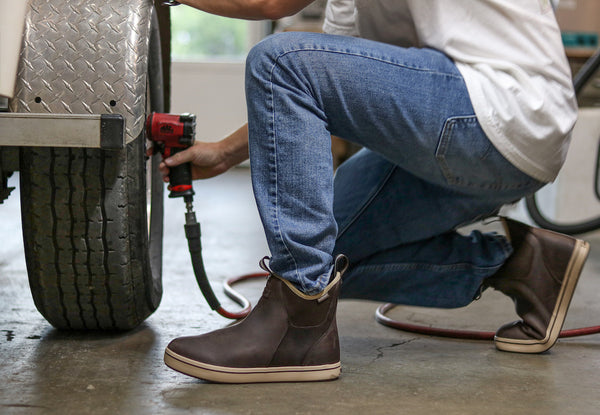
[{"x": 468, "y": 159}]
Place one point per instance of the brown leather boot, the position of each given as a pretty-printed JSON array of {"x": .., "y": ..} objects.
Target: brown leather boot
[
  {"x": 287, "y": 337},
  {"x": 540, "y": 277}
]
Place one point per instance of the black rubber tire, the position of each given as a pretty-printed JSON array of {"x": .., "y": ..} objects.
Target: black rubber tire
[{"x": 93, "y": 261}]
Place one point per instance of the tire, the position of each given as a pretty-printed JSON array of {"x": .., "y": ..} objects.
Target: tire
[{"x": 93, "y": 255}]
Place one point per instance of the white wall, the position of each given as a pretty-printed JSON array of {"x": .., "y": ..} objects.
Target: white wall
[
  {"x": 575, "y": 197},
  {"x": 214, "y": 91}
]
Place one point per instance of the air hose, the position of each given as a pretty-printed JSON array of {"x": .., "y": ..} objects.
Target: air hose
[
  {"x": 382, "y": 318},
  {"x": 169, "y": 135},
  {"x": 193, "y": 234}
]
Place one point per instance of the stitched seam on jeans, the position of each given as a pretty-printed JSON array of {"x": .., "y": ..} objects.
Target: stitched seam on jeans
[
  {"x": 398, "y": 64},
  {"x": 445, "y": 141},
  {"x": 274, "y": 142},
  {"x": 441, "y": 149}
]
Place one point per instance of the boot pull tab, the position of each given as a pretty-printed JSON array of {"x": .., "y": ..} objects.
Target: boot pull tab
[
  {"x": 263, "y": 264},
  {"x": 341, "y": 264}
]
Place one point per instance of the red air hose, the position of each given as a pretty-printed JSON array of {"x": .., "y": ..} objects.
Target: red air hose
[
  {"x": 237, "y": 297},
  {"x": 380, "y": 317}
]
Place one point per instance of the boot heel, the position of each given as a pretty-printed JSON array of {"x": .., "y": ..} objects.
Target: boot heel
[{"x": 571, "y": 277}]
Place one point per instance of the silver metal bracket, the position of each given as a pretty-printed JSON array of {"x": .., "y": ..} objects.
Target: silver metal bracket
[{"x": 105, "y": 131}]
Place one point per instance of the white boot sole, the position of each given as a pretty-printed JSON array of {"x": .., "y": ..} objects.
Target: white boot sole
[{"x": 223, "y": 374}]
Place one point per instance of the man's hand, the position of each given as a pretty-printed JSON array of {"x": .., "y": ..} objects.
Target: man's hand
[
  {"x": 207, "y": 161},
  {"x": 211, "y": 159}
]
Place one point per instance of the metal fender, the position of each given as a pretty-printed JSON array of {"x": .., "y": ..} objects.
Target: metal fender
[{"x": 85, "y": 57}]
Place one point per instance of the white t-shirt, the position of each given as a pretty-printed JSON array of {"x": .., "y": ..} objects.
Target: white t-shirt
[{"x": 510, "y": 54}]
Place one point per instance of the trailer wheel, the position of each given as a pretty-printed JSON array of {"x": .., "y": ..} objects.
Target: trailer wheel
[{"x": 92, "y": 227}]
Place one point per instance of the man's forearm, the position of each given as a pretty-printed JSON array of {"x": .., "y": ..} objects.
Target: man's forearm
[
  {"x": 236, "y": 146},
  {"x": 249, "y": 9}
]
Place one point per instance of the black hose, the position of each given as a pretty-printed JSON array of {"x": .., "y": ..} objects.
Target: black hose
[{"x": 193, "y": 234}]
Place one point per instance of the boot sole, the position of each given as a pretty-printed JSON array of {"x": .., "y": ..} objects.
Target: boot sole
[
  {"x": 223, "y": 374},
  {"x": 580, "y": 253}
]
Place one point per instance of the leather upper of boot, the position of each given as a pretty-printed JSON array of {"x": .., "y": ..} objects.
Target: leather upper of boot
[
  {"x": 285, "y": 328},
  {"x": 532, "y": 277}
]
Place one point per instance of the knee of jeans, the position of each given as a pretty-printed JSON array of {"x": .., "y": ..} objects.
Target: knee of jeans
[
  {"x": 266, "y": 51},
  {"x": 265, "y": 54},
  {"x": 259, "y": 61}
]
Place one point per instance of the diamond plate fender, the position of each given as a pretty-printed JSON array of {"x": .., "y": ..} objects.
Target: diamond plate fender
[{"x": 85, "y": 57}]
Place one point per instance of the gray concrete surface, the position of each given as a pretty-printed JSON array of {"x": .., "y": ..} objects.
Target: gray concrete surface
[{"x": 385, "y": 371}]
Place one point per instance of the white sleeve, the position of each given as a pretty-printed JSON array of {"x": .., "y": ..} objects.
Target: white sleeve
[{"x": 340, "y": 18}]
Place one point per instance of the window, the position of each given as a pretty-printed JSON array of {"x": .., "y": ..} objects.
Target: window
[{"x": 199, "y": 36}]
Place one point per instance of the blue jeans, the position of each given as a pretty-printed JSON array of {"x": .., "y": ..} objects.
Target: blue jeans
[{"x": 426, "y": 168}]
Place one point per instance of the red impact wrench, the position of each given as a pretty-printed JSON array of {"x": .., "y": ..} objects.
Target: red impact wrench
[{"x": 171, "y": 134}]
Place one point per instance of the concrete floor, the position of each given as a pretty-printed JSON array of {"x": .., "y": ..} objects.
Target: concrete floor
[{"x": 385, "y": 371}]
